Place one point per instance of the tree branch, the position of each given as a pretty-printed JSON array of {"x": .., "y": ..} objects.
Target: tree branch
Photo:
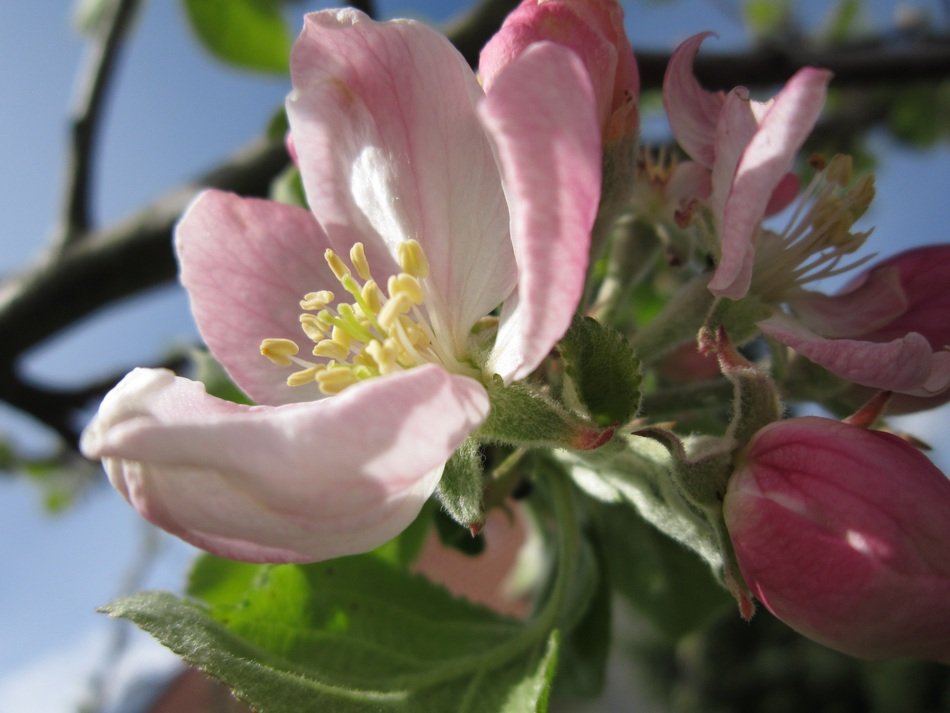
[
  {"x": 125, "y": 259},
  {"x": 874, "y": 64},
  {"x": 99, "y": 68}
]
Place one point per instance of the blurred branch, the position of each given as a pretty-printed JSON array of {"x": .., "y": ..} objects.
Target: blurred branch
[
  {"x": 873, "y": 64},
  {"x": 95, "y": 78},
  {"x": 470, "y": 32},
  {"x": 119, "y": 261},
  {"x": 367, "y": 6}
]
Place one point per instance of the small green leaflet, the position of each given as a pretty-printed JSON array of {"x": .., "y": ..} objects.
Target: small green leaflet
[
  {"x": 250, "y": 34},
  {"x": 604, "y": 369}
]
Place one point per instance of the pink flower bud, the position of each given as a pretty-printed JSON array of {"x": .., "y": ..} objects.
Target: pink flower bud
[
  {"x": 843, "y": 534},
  {"x": 592, "y": 29}
]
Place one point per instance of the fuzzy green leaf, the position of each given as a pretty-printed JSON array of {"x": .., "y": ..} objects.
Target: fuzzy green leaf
[
  {"x": 461, "y": 488},
  {"x": 522, "y": 416},
  {"x": 354, "y": 635},
  {"x": 604, "y": 369},
  {"x": 672, "y": 587},
  {"x": 250, "y": 34}
]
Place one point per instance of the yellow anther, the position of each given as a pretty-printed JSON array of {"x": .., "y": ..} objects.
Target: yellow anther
[
  {"x": 359, "y": 261},
  {"x": 372, "y": 296},
  {"x": 331, "y": 350},
  {"x": 384, "y": 356},
  {"x": 335, "y": 379},
  {"x": 406, "y": 284},
  {"x": 341, "y": 337},
  {"x": 313, "y": 301},
  {"x": 336, "y": 265},
  {"x": 840, "y": 170},
  {"x": 279, "y": 351},
  {"x": 305, "y": 376},
  {"x": 416, "y": 334},
  {"x": 312, "y": 327},
  {"x": 396, "y": 306},
  {"x": 412, "y": 259}
]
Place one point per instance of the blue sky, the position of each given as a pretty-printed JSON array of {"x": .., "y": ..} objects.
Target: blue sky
[{"x": 175, "y": 112}]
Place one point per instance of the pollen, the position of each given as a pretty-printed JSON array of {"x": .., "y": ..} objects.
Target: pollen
[{"x": 374, "y": 334}]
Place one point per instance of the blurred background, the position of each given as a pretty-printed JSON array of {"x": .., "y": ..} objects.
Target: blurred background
[{"x": 70, "y": 544}]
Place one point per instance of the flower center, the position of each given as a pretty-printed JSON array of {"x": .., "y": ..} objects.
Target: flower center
[
  {"x": 374, "y": 334},
  {"x": 818, "y": 236}
]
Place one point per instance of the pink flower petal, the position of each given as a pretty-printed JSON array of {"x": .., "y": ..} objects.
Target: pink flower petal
[
  {"x": 784, "y": 126},
  {"x": 389, "y": 145},
  {"x": 246, "y": 263},
  {"x": 903, "y": 365},
  {"x": 300, "y": 482},
  {"x": 691, "y": 110},
  {"x": 866, "y": 306},
  {"x": 540, "y": 113},
  {"x": 594, "y": 30},
  {"x": 924, "y": 277}
]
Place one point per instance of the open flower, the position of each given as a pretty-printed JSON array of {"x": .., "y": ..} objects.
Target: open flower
[
  {"x": 464, "y": 201},
  {"x": 842, "y": 533},
  {"x": 744, "y": 150},
  {"x": 747, "y": 149}
]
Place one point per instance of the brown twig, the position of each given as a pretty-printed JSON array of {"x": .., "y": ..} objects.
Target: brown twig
[
  {"x": 101, "y": 60},
  {"x": 875, "y": 64}
]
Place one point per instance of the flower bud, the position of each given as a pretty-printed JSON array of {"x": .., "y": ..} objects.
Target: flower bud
[
  {"x": 592, "y": 29},
  {"x": 842, "y": 533}
]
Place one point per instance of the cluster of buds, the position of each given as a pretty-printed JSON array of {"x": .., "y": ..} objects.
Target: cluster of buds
[{"x": 495, "y": 189}]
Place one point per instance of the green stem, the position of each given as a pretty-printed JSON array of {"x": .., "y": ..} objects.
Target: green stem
[{"x": 677, "y": 323}]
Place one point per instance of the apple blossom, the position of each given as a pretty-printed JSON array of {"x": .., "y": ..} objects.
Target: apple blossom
[
  {"x": 842, "y": 533},
  {"x": 466, "y": 201},
  {"x": 746, "y": 148}
]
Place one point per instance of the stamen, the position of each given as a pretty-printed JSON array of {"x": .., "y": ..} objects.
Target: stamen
[
  {"x": 314, "y": 301},
  {"x": 312, "y": 327},
  {"x": 305, "y": 376},
  {"x": 412, "y": 259},
  {"x": 331, "y": 350},
  {"x": 336, "y": 264},
  {"x": 279, "y": 351},
  {"x": 398, "y": 304},
  {"x": 406, "y": 284},
  {"x": 359, "y": 261},
  {"x": 372, "y": 335},
  {"x": 336, "y": 378}
]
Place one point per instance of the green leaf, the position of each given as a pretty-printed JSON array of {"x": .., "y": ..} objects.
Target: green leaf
[
  {"x": 360, "y": 635},
  {"x": 669, "y": 585},
  {"x": 583, "y": 654},
  {"x": 521, "y": 415},
  {"x": 250, "y": 34},
  {"x": 767, "y": 17},
  {"x": 604, "y": 369},
  {"x": 461, "y": 488},
  {"x": 354, "y": 635}
]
